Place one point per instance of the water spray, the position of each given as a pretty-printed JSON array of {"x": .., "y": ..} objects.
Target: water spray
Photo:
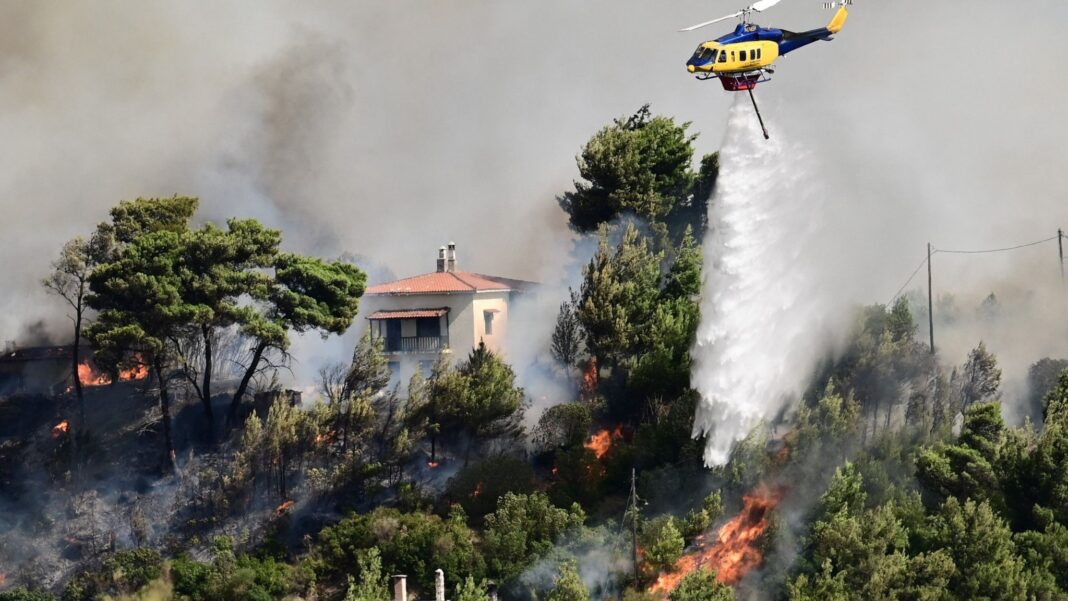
[{"x": 757, "y": 344}]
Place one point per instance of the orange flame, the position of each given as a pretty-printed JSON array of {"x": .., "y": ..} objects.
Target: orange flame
[
  {"x": 601, "y": 442},
  {"x": 325, "y": 437},
  {"x": 284, "y": 507},
  {"x": 433, "y": 464},
  {"x": 478, "y": 491},
  {"x": 89, "y": 376},
  {"x": 60, "y": 429},
  {"x": 590, "y": 377},
  {"x": 735, "y": 551},
  {"x": 137, "y": 372}
]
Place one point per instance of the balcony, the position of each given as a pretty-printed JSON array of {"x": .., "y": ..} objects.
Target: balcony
[{"x": 416, "y": 344}]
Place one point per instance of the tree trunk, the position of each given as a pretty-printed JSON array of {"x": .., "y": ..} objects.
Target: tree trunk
[
  {"x": 165, "y": 409},
  {"x": 206, "y": 388},
  {"x": 253, "y": 365},
  {"x": 75, "y": 360}
]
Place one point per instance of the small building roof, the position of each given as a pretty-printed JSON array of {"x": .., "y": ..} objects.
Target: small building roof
[
  {"x": 38, "y": 353},
  {"x": 409, "y": 313},
  {"x": 449, "y": 282}
]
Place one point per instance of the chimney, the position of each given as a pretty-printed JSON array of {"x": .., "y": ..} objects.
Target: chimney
[
  {"x": 400, "y": 587},
  {"x": 439, "y": 585},
  {"x": 451, "y": 258},
  {"x": 441, "y": 259}
]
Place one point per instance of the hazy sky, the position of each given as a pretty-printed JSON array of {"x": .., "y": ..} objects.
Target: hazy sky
[{"x": 388, "y": 128}]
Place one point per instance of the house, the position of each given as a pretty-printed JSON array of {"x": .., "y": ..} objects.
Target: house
[{"x": 445, "y": 311}]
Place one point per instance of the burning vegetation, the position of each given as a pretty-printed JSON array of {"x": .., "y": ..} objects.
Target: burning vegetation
[
  {"x": 90, "y": 376},
  {"x": 735, "y": 550},
  {"x": 60, "y": 429},
  {"x": 601, "y": 442}
]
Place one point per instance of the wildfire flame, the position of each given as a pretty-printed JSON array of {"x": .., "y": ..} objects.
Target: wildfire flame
[
  {"x": 601, "y": 442},
  {"x": 478, "y": 491},
  {"x": 735, "y": 550},
  {"x": 60, "y": 429},
  {"x": 590, "y": 379},
  {"x": 3, "y": 578},
  {"x": 325, "y": 437},
  {"x": 90, "y": 376},
  {"x": 433, "y": 464},
  {"x": 284, "y": 507}
]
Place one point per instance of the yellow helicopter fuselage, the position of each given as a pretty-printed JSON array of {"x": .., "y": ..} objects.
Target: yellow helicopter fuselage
[{"x": 738, "y": 57}]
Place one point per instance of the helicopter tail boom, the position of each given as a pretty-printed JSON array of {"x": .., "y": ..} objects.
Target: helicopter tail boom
[{"x": 839, "y": 20}]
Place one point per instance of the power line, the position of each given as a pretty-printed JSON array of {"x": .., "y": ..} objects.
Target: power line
[
  {"x": 908, "y": 281},
  {"x": 935, "y": 251},
  {"x": 996, "y": 250}
]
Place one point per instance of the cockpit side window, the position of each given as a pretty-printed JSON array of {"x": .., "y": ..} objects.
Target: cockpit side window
[
  {"x": 712, "y": 58},
  {"x": 723, "y": 56}
]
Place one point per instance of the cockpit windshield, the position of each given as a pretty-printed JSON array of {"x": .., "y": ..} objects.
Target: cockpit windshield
[{"x": 704, "y": 55}]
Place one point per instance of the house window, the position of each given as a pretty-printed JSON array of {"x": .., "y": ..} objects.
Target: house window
[{"x": 488, "y": 316}]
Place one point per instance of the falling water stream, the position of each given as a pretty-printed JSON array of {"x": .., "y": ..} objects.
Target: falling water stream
[{"x": 761, "y": 308}]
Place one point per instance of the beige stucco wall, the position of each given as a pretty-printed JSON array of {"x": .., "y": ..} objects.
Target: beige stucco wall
[
  {"x": 465, "y": 325},
  {"x": 490, "y": 301}
]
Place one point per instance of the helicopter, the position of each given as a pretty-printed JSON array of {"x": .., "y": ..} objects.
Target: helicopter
[{"x": 745, "y": 57}]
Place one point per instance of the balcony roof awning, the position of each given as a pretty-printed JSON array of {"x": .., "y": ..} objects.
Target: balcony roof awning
[{"x": 409, "y": 313}]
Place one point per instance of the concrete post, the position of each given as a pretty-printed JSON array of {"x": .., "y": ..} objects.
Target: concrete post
[
  {"x": 400, "y": 587},
  {"x": 439, "y": 585}
]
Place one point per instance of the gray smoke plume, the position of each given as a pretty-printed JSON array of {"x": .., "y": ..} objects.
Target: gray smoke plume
[{"x": 385, "y": 129}]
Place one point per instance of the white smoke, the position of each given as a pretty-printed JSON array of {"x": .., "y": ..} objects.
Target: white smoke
[{"x": 763, "y": 317}]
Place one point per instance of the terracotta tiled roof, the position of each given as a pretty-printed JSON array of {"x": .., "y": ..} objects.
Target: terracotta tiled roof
[
  {"x": 409, "y": 313},
  {"x": 444, "y": 282}
]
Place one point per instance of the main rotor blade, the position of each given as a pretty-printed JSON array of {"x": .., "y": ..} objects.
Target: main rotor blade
[
  {"x": 700, "y": 25},
  {"x": 762, "y": 5}
]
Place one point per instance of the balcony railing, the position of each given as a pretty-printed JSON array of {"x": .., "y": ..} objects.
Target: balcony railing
[{"x": 416, "y": 344}]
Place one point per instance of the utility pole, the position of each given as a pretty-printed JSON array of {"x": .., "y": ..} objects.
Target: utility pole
[
  {"x": 632, "y": 511},
  {"x": 1060, "y": 249},
  {"x": 930, "y": 298}
]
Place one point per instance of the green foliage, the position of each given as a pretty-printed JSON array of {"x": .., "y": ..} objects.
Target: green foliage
[
  {"x": 569, "y": 586},
  {"x": 22, "y": 594},
  {"x": 125, "y": 572},
  {"x": 981, "y": 546},
  {"x": 567, "y": 336},
  {"x": 640, "y": 165},
  {"x": 699, "y": 520},
  {"x": 620, "y": 290},
  {"x": 967, "y": 469},
  {"x": 372, "y": 584},
  {"x": 470, "y": 590},
  {"x": 409, "y": 543},
  {"x": 579, "y": 478},
  {"x": 1055, "y": 402},
  {"x": 701, "y": 585},
  {"x": 980, "y": 377},
  {"x": 523, "y": 529},
  {"x": 480, "y": 487},
  {"x": 563, "y": 426},
  {"x": 662, "y": 542},
  {"x": 830, "y": 425},
  {"x": 478, "y": 399}
]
